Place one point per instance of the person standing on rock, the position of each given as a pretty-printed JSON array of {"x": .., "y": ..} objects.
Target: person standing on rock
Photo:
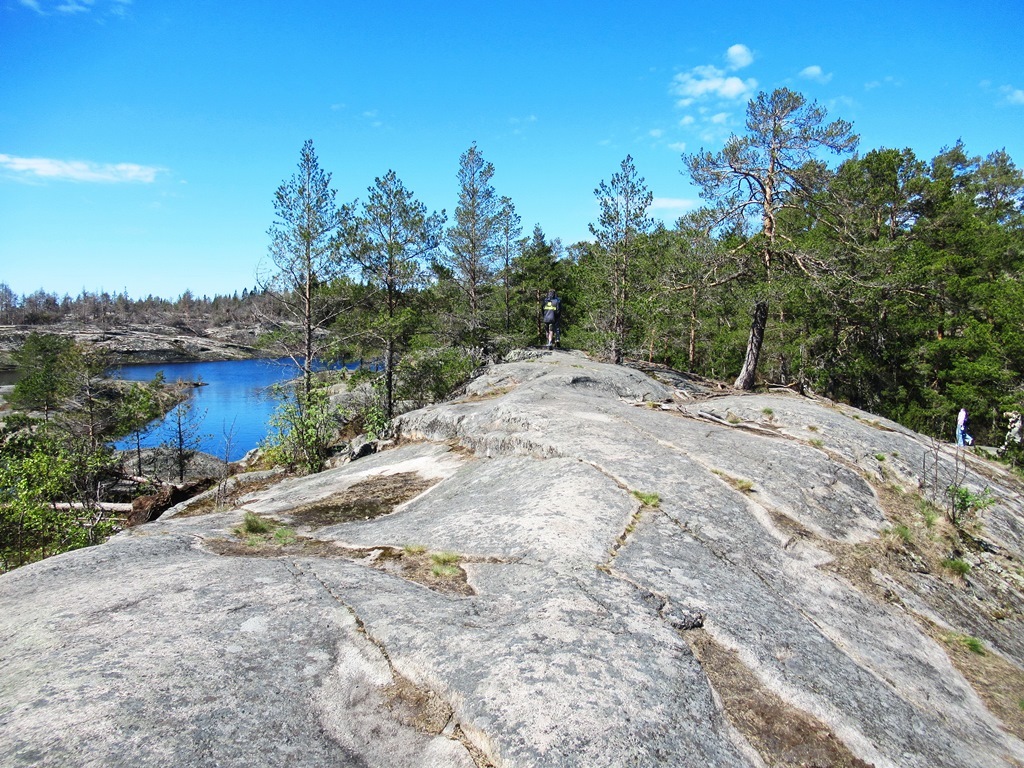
[
  {"x": 963, "y": 424},
  {"x": 552, "y": 311}
]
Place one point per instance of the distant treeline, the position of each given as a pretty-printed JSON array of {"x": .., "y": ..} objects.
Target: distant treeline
[
  {"x": 42, "y": 308},
  {"x": 884, "y": 280}
]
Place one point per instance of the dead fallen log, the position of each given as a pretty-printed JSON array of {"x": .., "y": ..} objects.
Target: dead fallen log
[{"x": 105, "y": 506}]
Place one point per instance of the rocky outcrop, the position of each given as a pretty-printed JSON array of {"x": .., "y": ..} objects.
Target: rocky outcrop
[
  {"x": 129, "y": 344},
  {"x": 574, "y": 564}
]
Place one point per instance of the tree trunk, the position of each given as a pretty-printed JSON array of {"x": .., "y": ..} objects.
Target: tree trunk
[
  {"x": 389, "y": 378},
  {"x": 692, "y": 350},
  {"x": 746, "y": 378}
]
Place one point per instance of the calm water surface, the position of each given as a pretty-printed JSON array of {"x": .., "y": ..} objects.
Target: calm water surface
[{"x": 235, "y": 399}]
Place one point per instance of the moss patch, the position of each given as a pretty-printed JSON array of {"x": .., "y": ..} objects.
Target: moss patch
[
  {"x": 439, "y": 571},
  {"x": 370, "y": 498},
  {"x": 416, "y": 707},
  {"x": 782, "y": 734}
]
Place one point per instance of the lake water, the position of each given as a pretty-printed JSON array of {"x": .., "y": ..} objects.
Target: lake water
[{"x": 235, "y": 398}]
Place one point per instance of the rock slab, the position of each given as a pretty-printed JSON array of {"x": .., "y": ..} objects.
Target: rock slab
[{"x": 624, "y": 573}]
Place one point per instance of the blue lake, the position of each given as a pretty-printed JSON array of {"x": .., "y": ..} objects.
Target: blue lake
[{"x": 235, "y": 399}]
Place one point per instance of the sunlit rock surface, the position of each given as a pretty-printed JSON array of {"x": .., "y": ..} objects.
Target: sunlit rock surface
[{"x": 573, "y": 564}]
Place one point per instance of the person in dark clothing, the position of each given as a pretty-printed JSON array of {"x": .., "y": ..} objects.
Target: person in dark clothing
[{"x": 552, "y": 309}]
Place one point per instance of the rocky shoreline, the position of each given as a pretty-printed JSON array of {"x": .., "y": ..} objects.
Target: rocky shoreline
[{"x": 132, "y": 343}]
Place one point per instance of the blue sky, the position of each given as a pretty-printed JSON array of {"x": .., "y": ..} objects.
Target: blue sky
[{"x": 141, "y": 141}]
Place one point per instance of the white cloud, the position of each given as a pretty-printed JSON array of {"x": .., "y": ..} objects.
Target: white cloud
[
  {"x": 77, "y": 170},
  {"x": 739, "y": 56},
  {"x": 1012, "y": 95},
  {"x": 719, "y": 119},
  {"x": 815, "y": 73},
  {"x": 688, "y": 120},
  {"x": 709, "y": 81},
  {"x": 678, "y": 146},
  {"x": 33, "y": 4},
  {"x": 656, "y": 133}
]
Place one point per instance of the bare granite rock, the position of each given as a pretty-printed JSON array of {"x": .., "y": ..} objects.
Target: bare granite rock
[{"x": 574, "y": 564}]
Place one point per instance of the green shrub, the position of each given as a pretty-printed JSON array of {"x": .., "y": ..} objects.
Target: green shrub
[
  {"x": 965, "y": 504},
  {"x": 974, "y": 645},
  {"x": 648, "y": 499},
  {"x": 254, "y": 524},
  {"x": 958, "y": 566},
  {"x": 301, "y": 429},
  {"x": 285, "y": 536},
  {"x": 444, "y": 558},
  {"x": 444, "y": 571}
]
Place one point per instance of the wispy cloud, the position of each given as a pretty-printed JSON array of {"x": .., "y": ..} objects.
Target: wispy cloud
[
  {"x": 71, "y": 7},
  {"x": 709, "y": 81},
  {"x": 888, "y": 81},
  {"x": 1012, "y": 95},
  {"x": 75, "y": 6},
  {"x": 815, "y": 73},
  {"x": 78, "y": 170}
]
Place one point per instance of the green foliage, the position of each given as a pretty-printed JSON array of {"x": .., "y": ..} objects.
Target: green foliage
[
  {"x": 45, "y": 367},
  {"x": 301, "y": 429},
  {"x": 390, "y": 240},
  {"x": 648, "y": 499},
  {"x": 973, "y": 644},
  {"x": 254, "y": 524},
  {"x": 431, "y": 375},
  {"x": 285, "y": 536},
  {"x": 445, "y": 558},
  {"x": 49, "y": 485},
  {"x": 903, "y": 532},
  {"x": 375, "y": 421},
  {"x": 958, "y": 566},
  {"x": 473, "y": 241},
  {"x": 928, "y": 512},
  {"x": 965, "y": 504},
  {"x": 619, "y": 232},
  {"x": 184, "y": 436},
  {"x": 445, "y": 564}
]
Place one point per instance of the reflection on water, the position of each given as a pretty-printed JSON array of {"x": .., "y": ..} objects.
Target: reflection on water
[{"x": 235, "y": 400}]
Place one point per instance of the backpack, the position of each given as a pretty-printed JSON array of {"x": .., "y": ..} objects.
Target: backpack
[{"x": 550, "y": 309}]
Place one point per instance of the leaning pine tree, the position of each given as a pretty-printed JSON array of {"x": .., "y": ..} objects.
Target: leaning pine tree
[{"x": 760, "y": 174}]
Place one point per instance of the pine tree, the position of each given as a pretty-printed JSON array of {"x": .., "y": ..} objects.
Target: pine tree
[
  {"x": 623, "y": 222},
  {"x": 772, "y": 168}
]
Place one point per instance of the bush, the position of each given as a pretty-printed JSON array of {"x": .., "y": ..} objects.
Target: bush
[
  {"x": 429, "y": 376},
  {"x": 301, "y": 430}
]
